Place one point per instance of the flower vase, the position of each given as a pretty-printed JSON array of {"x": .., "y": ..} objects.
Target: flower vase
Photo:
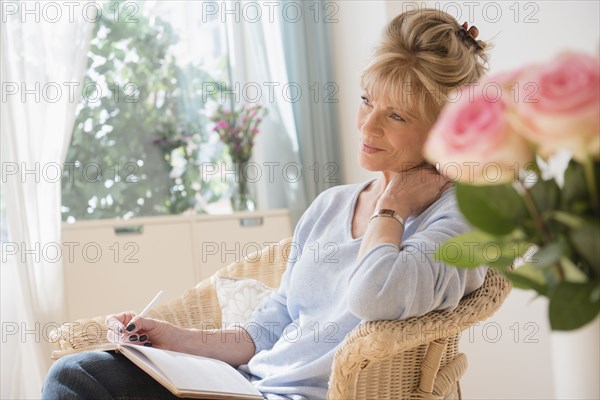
[
  {"x": 576, "y": 362},
  {"x": 241, "y": 198}
]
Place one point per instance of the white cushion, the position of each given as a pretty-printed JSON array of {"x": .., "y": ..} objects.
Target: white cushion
[{"x": 239, "y": 298}]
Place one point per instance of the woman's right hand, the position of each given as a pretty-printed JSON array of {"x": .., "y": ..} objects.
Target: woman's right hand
[
  {"x": 126, "y": 327},
  {"x": 410, "y": 192}
]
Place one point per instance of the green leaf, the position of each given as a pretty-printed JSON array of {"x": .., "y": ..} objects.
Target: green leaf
[
  {"x": 476, "y": 248},
  {"x": 537, "y": 273},
  {"x": 494, "y": 209},
  {"x": 529, "y": 277},
  {"x": 567, "y": 219},
  {"x": 548, "y": 255},
  {"x": 573, "y": 305},
  {"x": 574, "y": 194},
  {"x": 586, "y": 241},
  {"x": 572, "y": 272},
  {"x": 465, "y": 250},
  {"x": 546, "y": 195}
]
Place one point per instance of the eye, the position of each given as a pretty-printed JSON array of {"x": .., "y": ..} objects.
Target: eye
[
  {"x": 365, "y": 100},
  {"x": 396, "y": 117}
]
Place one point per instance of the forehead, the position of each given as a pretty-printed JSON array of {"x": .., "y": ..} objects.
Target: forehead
[{"x": 396, "y": 91}]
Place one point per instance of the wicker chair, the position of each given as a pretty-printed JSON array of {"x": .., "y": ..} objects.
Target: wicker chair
[{"x": 416, "y": 358}]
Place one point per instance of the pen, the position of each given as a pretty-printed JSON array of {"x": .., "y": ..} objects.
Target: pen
[
  {"x": 151, "y": 304},
  {"x": 130, "y": 326}
]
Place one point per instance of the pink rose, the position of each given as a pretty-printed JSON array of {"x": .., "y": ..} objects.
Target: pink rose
[
  {"x": 564, "y": 111},
  {"x": 472, "y": 140}
]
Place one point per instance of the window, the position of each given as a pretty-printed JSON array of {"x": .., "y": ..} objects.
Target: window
[{"x": 141, "y": 133}]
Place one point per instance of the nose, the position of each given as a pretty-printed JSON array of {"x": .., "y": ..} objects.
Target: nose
[{"x": 371, "y": 125}]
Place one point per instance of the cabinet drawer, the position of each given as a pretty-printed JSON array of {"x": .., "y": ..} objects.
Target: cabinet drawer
[{"x": 121, "y": 267}]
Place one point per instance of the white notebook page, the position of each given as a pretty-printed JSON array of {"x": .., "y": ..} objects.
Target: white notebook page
[{"x": 195, "y": 373}]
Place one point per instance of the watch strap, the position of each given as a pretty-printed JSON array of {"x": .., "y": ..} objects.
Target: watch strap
[{"x": 386, "y": 212}]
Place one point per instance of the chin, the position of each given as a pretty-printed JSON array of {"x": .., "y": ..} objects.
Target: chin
[{"x": 369, "y": 164}]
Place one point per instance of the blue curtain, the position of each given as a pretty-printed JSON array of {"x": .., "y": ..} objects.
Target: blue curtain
[{"x": 307, "y": 50}]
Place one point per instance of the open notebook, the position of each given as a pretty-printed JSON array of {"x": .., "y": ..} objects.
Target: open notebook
[{"x": 185, "y": 375}]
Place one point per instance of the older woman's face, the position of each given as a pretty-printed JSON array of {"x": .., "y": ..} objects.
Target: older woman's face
[{"x": 389, "y": 139}]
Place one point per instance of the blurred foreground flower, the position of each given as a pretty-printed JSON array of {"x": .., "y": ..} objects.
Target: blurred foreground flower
[{"x": 492, "y": 141}]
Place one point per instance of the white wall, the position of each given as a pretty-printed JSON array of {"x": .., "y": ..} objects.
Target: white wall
[
  {"x": 353, "y": 37},
  {"x": 509, "y": 355}
]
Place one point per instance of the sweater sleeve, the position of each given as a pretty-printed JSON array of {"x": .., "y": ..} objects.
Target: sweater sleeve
[
  {"x": 271, "y": 317},
  {"x": 390, "y": 283}
]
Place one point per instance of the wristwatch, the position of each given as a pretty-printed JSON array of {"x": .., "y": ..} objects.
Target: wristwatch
[{"x": 386, "y": 212}]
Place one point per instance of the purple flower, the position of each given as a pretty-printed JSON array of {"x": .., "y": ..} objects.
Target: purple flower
[{"x": 223, "y": 124}]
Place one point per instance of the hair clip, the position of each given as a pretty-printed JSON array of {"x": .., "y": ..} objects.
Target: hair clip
[
  {"x": 470, "y": 34},
  {"x": 472, "y": 31}
]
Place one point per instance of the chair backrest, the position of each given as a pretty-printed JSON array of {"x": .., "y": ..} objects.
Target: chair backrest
[{"x": 266, "y": 266}]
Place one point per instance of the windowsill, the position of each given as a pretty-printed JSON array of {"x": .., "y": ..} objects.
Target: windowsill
[{"x": 172, "y": 218}]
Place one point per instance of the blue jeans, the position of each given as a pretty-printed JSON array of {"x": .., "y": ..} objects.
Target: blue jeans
[{"x": 100, "y": 375}]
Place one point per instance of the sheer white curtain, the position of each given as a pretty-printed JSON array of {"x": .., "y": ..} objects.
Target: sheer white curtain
[
  {"x": 258, "y": 67},
  {"x": 43, "y": 62}
]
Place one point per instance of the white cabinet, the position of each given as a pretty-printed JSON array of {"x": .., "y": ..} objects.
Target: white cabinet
[
  {"x": 113, "y": 265},
  {"x": 222, "y": 240}
]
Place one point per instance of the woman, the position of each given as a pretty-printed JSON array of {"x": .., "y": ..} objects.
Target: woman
[{"x": 363, "y": 251}]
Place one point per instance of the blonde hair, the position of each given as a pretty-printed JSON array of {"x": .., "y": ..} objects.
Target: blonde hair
[{"x": 422, "y": 57}]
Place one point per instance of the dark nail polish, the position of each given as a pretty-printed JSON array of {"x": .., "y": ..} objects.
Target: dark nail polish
[
  {"x": 119, "y": 330},
  {"x": 143, "y": 338},
  {"x": 133, "y": 338},
  {"x": 130, "y": 327},
  {"x": 148, "y": 344}
]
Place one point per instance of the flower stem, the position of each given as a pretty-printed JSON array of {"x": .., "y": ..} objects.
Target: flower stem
[
  {"x": 540, "y": 225},
  {"x": 588, "y": 169},
  {"x": 537, "y": 218}
]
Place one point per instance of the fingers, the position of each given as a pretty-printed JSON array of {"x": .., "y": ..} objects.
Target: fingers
[
  {"x": 121, "y": 318},
  {"x": 129, "y": 328},
  {"x": 141, "y": 324},
  {"x": 141, "y": 329},
  {"x": 142, "y": 340},
  {"x": 117, "y": 322},
  {"x": 113, "y": 337},
  {"x": 447, "y": 185},
  {"x": 424, "y": 174}
]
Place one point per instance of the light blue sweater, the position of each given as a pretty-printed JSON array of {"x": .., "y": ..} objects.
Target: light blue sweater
[{"x": 325, "y": 291}]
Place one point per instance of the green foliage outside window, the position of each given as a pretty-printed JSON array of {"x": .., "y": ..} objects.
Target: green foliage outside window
[{"x": 140, "y": 130}]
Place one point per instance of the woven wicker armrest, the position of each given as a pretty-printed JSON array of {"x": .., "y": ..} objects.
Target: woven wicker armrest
[
  {"x": 376, "y": 341},
  {"x": 79, "y": 334}
]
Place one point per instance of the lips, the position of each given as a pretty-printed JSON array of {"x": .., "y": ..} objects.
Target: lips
[{"x": 370, "y": 149}]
